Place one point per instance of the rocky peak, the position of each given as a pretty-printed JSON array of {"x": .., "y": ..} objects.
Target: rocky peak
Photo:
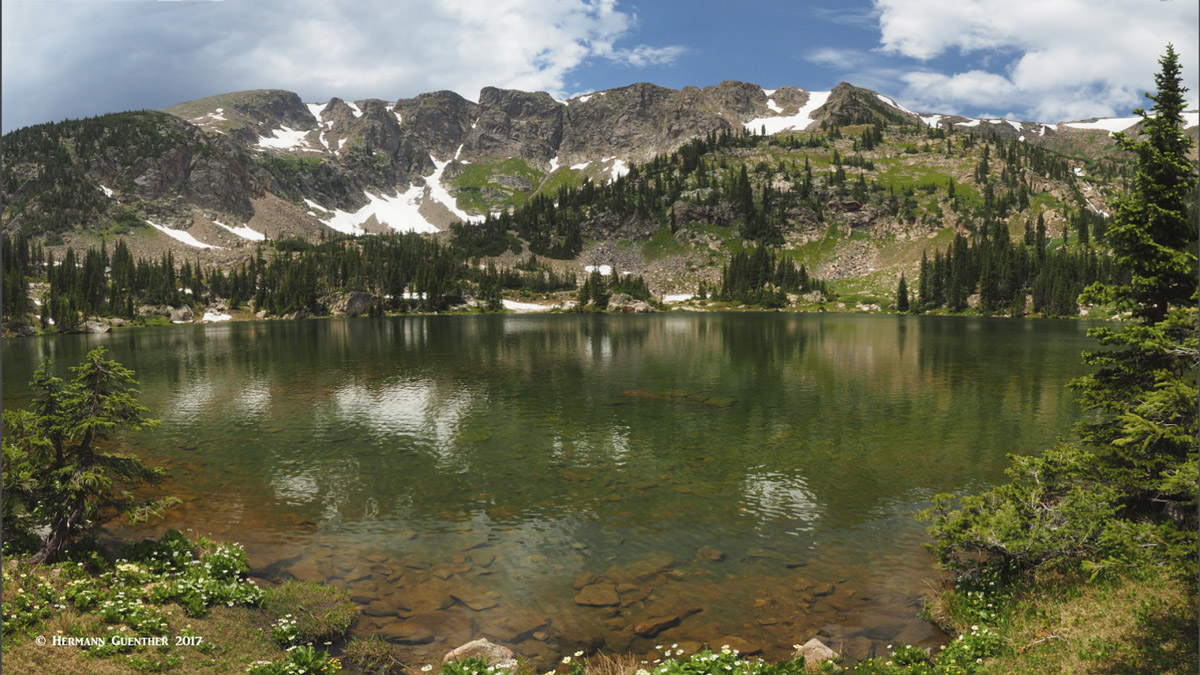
[
  {"x": 849, "y": 104},
  {"x": 437, "y": 121},
  {"x": 515, "y": 124}
]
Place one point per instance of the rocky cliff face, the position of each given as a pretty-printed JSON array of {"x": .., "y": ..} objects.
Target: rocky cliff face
[{"x": 413, "y": 164}]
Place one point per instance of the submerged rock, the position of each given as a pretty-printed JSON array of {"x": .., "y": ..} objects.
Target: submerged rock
[
  {"x": 598, "y": 595},
  {"x": 655, "y": 625}
]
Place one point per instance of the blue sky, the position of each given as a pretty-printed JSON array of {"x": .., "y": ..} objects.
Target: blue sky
[{"x": 1043, "y": 60}]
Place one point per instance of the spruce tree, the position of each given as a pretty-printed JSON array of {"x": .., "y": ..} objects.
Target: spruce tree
[
  {"x": 902, "y": 295},
  {"x": 1145, "y": 385},
  {"x": 1125, "y": 497}
]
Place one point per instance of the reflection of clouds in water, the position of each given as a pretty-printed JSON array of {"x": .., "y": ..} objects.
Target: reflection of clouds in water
[
  {"x": 776, "y": 496},
  {"x": 254, "y": 398},
  {"x": 194, "y": 398},
  {"x": 619, "y": 446},
  {"x": 417, "y": 410}
]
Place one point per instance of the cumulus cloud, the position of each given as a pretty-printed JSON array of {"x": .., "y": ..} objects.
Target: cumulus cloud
[
  {"x": 66, "y": 59},
  {"x": 1045, "y": 60}
]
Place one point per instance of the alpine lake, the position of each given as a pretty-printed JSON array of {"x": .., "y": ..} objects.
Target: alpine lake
[{"x": 595, "y": 482}]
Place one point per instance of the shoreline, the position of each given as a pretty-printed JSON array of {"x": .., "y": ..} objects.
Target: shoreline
[{"x": 103, "y": 325}]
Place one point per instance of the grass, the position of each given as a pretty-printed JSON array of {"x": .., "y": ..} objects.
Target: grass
[
  {"x": 561, "y": 178},
  {"x": 478, "y": 176},
  {"x": 662, "y": 245},
  {"x": 1140, "y": 625},
  {"x": 190, "y": 596},
  {"x": 322, "y": 613}
]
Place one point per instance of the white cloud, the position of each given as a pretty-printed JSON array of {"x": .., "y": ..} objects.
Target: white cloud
[
  {"x": 66, "y": 58},
  {"x": 836, "y": 57},
  {"x": 1062, "y": 59}
]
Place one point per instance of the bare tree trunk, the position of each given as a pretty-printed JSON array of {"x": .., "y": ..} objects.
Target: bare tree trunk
[{"x": 57, "y": 538}]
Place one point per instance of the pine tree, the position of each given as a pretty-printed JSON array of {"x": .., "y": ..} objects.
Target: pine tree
[
  {"x": 64, "y": 481},
  {"x": 902, "y": 295}
]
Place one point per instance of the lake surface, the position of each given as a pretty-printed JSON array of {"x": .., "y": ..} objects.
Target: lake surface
[{"x": 564, "y": 482}]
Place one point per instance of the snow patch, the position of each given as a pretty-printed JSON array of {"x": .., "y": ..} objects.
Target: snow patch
[
  {"x": 1109, "y": 124},
  {"x": 286, "y": 138},
  {"x": 355, "y": 109},
  {"x": 585, "y": 98},
  {"x": 680, "y": 297},
  {"x": 554, "y": 164},
  {"x": 1022, "y": 138},
  {"x": 214, "y": 316},
  {"x": 181, "y": 236},
  {"x": 932, "y": 120},
  {"x": 439, "y": 193},
  {"x": 892, "y": 102},
  {"x": 525, "y": 306},
  {"x": 619, "y": 168},
  {"x": 799, "y": 121},
  {"x": 773, "y": 106},
  {"x": 317, "y": 109},
  {"x": 1015, "y": 125},
  {"x": 580, "y": 167},
  {"x": 769, "y": 92},
  {"x": 107, "y": 192},
  {"x": 243, "y": 231},
  {"x": 1078, "y": 172},
  {"x": 605, "y": 270},
  {"x": 399, "y": 118},
  {"x": 400, "y": 212},
  {"x": 972, "y": 123}
]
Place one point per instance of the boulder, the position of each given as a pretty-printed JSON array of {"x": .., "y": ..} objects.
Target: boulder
[
  {"x": 153, "y": 310},
  {"x": 627, "y": 304},
  {"x": 814, "y": 652},
  {"x": 709, "y": 553},
  {"x": 482, "y": 648},
  {"x": 353, "y": 303},
  {"x": 96, "y": 327},
  {"x": 182, "y": 314}
]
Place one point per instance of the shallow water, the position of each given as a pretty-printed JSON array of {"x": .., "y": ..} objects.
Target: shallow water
[{"x": 564, "y": 482}]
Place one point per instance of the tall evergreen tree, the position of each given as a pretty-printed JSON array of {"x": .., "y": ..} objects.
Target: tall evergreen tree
[
  {"x": 1127, "y": 495},
  {"x": 902, "y": 295}
]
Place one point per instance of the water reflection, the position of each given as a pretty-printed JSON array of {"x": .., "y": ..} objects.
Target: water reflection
[{"x": 795, "y": 446}]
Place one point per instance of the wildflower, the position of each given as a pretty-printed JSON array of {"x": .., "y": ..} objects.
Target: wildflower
[
  {"x": 424, "y": 669},
  {"x": 579, "y": 653},
  {"x": 566, "y": 659}
]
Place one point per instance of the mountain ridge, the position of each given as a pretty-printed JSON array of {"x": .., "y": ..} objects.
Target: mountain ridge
[{"x": 219, "y": 174}]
